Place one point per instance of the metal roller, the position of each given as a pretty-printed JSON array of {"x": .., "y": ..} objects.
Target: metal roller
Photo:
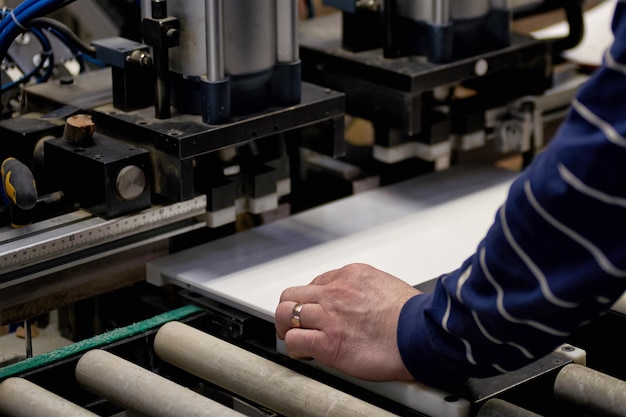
[
  {"x": 592, "y": 392},
  {"x": 21, "y": 398},
  {"x": 142, "y": 391},
  {"x": 253, "y": 377},
  {"x": 500, "y": 408}
]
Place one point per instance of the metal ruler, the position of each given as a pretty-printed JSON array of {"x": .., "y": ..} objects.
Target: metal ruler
[{"x": 80, "y": 230}]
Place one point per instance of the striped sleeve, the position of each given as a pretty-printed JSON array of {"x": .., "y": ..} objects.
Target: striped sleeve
[{"x": 554, "y": 258}]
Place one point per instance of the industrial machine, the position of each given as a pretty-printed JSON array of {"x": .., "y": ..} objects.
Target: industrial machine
[
  {"x": 162, "y": 171},
  {"x": 184, "y": 131},
  {"x": 437, "y": 77}
]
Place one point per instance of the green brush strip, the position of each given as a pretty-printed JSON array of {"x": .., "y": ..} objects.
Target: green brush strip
[{"x": 97, "y": 341}]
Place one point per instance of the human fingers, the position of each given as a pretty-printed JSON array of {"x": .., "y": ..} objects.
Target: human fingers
[
  {"x": 325, "y": 278},
  {"x": 314, "y": 292},
  {"x": 283, "y": 317},
  {"x": 350, "y": 271},
  {"x": 290, "y": 315},
  {"x": 303, "y": 294},
  {"x": 305, "y": 344}
]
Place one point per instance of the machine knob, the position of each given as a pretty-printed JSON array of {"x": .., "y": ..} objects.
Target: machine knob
[
  {"x": 79, "y": 130},
  {"x": 130, "y": 182}
]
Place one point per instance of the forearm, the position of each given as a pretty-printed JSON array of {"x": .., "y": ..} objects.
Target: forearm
[{"x": 554, "y": 258}]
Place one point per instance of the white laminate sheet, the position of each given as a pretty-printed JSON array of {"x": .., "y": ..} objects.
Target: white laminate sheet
[{"x": 416, "y": 230}]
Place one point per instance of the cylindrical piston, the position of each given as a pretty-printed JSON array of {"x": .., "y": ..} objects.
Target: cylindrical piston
[
  {"x": 249, "y": 37},
  {"x": 467, "y": 10},
  {"x": 189, "y": 58},
  {"x": 287, "y": 31},
  {"x": 442, "y": 11}
]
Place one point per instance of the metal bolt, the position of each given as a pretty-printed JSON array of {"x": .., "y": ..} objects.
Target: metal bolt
[
  {"x": 140, "y": 58},
  {"x": 173, "y": 35},
  {"x": 481, "y": 67},
  {"x": 368, "y": 4},
  {"x": 130, "y": 182}
]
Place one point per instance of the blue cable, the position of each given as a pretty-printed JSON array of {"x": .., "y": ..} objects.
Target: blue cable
[
  {"x": 80, "y": 55},
  {"x": 24, "y": 12},
  {"x": 73, "y": 49},
  {"x": 93, "y": 60},
  {"x": 46, "y": 55},
  {"x": 23, "y": 6},
  {"x": 12, "y": 25}
]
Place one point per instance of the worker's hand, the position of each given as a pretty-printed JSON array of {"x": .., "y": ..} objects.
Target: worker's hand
[{"x": 349, "y": 321}]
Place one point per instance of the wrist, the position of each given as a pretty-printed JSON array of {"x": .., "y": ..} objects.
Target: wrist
[{"x": 422, "y": 358}]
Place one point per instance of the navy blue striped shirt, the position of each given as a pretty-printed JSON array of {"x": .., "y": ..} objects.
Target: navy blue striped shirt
[{"x": 554, "y": 258}]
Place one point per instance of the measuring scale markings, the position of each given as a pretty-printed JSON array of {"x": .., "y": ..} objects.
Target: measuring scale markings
[{"x": 96, "y": 231}]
